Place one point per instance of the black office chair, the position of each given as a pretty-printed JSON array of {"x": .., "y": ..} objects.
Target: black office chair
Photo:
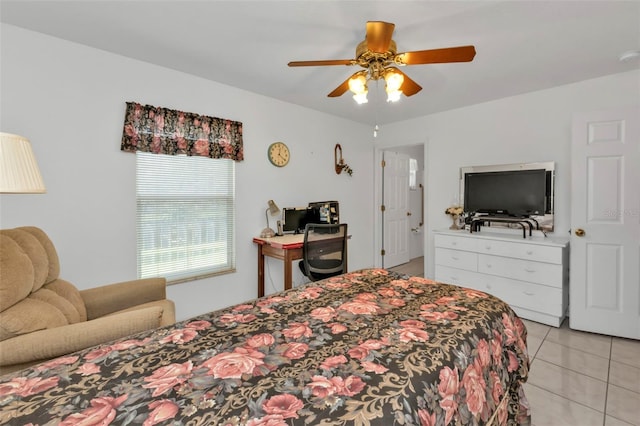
[{"x": 324, "y": 251}]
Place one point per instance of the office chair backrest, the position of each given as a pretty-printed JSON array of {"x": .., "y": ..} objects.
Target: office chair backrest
[{"x": 324, "y": 252}]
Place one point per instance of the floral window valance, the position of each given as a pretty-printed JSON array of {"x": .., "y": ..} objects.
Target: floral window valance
[{"x": 166, "y": 131}]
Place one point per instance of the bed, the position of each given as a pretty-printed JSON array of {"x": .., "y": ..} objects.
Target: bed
[{"x": 371, "y": 347}]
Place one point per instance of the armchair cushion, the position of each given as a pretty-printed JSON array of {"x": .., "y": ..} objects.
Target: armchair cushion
[
  {"x": 68, "y": 292},
  {"x": 17, "y": 273},
  {"x": 27, "y": 316},
  {"x": 42, "y": 345}
]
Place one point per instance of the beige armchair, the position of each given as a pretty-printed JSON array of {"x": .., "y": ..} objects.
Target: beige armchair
[{"x": 43, "y": 317}]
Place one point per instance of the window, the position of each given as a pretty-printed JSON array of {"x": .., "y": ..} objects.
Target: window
[
  {"x": 185, "y": 216},
  {"x": 413, "y": 170}
]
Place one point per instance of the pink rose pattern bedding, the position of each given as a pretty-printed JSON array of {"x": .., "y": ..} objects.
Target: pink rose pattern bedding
[{"x": 366, "y": 348}]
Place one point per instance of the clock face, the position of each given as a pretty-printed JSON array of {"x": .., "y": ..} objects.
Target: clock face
[{"x": 278, "y": 154}]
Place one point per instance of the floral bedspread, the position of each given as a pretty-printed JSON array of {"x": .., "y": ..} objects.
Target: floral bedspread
[{"x": 368, "y": 347}]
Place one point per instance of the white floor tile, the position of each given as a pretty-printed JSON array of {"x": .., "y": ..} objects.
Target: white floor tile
[
  {"x": 533, "y": 345},
  {"x": 623, "y": 404},
  {"x": 595, "y": 344},
  {"x": 536, "y": 329},
  {"x": 549, "y": 409},
  {"x": 625, "y": 376},
  {"x": 569, "y": 384},
  {"x": 612, "y": 421},
  {"x": 574, "y": 359},
  {"x": 626, "y": 351}
]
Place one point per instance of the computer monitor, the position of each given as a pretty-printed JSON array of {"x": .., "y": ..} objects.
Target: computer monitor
[{"x": 294, "y": 219}]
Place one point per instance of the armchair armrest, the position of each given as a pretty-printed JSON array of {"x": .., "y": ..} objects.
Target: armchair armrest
[
  {"x": 101, "y": 301},
  {"x": 58, "y": 341}
]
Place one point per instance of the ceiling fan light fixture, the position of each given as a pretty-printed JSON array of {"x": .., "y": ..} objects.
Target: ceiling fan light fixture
[
  {"x": 358, "y": 85},
  {"x": 361, "y": 98},
  {"x": 379, "y": 56},
  {"x": 393, "y": 84}
]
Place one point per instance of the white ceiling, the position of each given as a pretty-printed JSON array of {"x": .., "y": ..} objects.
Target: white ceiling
[{"x": 521, "y": 46}]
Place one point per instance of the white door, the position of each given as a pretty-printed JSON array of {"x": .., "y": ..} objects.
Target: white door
[
  {"x": 396, "y": 214},
  {"x": 605, "y": 220}
]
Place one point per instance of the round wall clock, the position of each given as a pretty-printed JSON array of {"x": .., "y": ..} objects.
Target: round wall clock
[{"x": 278, "y": 154}]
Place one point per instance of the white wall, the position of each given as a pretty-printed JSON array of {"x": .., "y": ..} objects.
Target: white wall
[
  {"x": 69, "y": 100},
  {"x": 526, "y": 128}
]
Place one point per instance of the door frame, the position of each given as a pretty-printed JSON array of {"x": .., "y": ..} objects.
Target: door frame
[{"x": 377, "y": 190}]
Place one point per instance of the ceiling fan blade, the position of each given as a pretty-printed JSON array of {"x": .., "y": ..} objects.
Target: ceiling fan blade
[
  {"x": 408, "y": 87},
  {"x": 437, "y": 56},
  {"x": 379, "y": 36},
  {"x": 321, "y": 63},
  {"x": 340, "y": 90}
]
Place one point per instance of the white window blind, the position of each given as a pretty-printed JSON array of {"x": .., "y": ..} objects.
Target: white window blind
[{"x": 185, "y": 216}]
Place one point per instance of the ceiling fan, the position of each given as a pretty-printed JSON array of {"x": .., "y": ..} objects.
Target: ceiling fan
[{"x": 377, "y": 54}]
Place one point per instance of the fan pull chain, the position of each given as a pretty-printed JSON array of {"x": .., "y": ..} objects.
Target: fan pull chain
[{"x": 376, "y": 108}]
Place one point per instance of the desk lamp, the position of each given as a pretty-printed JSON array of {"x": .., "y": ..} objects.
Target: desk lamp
[
  {"x": 19, "y": 172},
  {"x": 273, "y": 209}
]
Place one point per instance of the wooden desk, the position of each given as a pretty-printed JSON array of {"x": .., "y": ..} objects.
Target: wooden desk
[{"x": 286, "y": 248}]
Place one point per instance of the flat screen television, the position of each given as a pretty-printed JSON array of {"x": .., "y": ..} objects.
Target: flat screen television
[{"x": 517, "y": 190}]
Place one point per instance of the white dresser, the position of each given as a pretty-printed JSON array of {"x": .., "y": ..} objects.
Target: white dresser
[{"x": 530, "y": 274}]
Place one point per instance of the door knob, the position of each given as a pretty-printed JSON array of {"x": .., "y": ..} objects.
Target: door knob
[
  {"x": 408, "y": 213},
  {"x": 580, "y": 232}
]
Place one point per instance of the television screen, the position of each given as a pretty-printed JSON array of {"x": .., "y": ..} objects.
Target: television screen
[{"x": 513, "y": 193}]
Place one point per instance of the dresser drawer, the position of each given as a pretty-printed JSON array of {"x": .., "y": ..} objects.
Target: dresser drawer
[
  {"x": 456, "y": 259},
  {"x": 455, "y": 242},
  {"x": 459, "y": 277},
  {"x": 539, "y": 298},
  {"x": 536, "y": 272},
  {"x": 533, "y": 252}
]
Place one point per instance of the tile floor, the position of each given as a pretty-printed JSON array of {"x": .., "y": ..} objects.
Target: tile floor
[
  {"x": 579, "y": 378},
  {"x": 414, "y": 267},
  {"x": 576, "y": 378}
]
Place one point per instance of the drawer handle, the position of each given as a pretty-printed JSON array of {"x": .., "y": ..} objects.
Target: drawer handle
[
  {"x": 528, "y": 293},
  {"x": 529, "y": 270},
  {"x": 487, "y": 247},
  {"x": 453, "y": 243},
  {"x": 489, "y": 286},
  {"x": 454, "y": 278},
  {"x": 529, "y": 252},
  {"x": 489, "y": 265},
  {"x": 455, "y": 258}
]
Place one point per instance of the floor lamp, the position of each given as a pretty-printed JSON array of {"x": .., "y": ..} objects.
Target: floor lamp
[
  {"x": 273, "y": 209},
  {"x": 19, "y": 172}
]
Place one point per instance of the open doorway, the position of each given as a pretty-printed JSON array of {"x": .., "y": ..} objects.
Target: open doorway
[{"x": 400, "y": 226}]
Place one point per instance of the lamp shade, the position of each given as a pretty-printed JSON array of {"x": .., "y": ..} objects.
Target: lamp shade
[
  {"x": 19, "y": 172},
  {"x": 273, "y": 208}
]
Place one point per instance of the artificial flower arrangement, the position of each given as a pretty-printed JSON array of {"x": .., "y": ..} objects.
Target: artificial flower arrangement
[{"x": 454, "y": 210}]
